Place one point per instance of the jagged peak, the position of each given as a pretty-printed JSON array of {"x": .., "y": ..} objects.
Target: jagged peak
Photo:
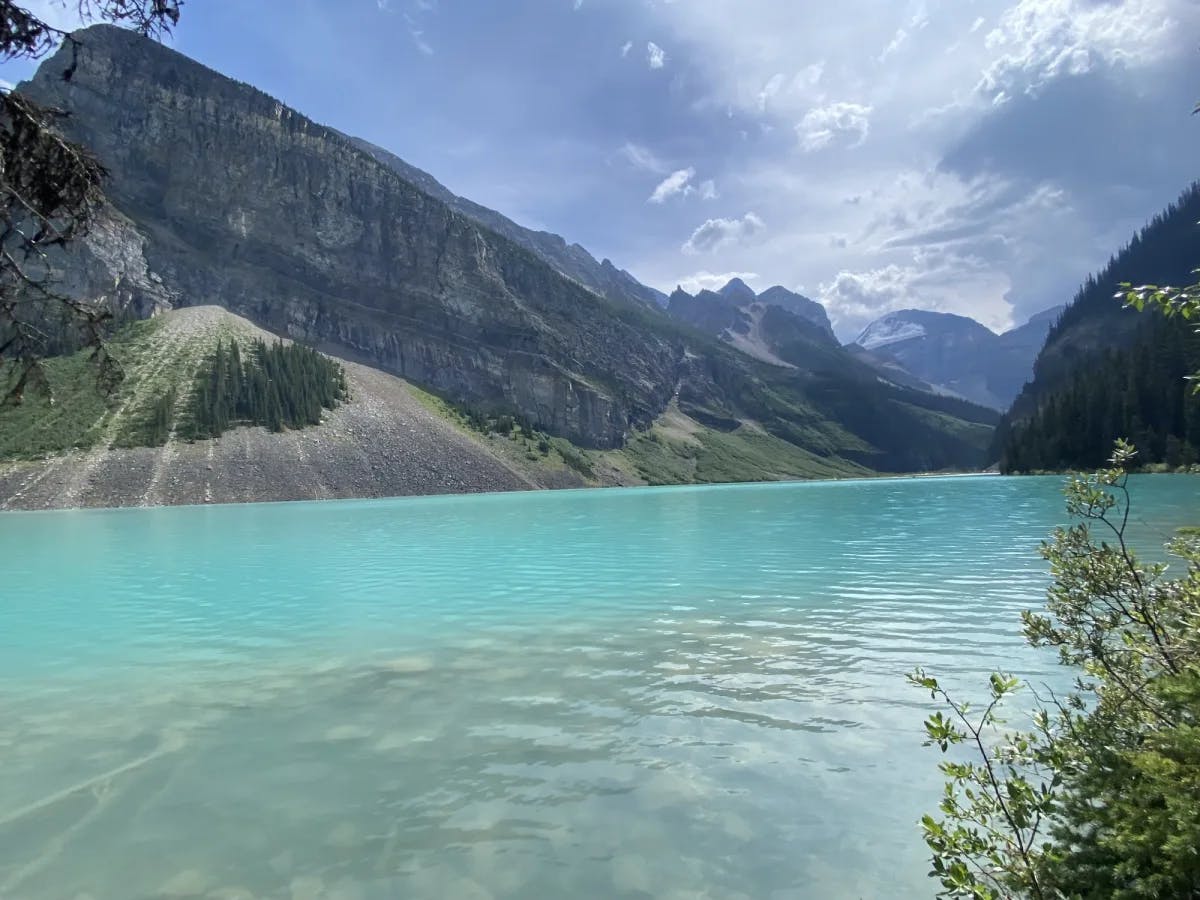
[
  {"x": 737, "y": 290},
  {"x": 777, "y": 289}
]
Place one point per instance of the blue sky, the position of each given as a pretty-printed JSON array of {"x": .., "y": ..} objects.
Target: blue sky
[{"x": 972, "y": 156}]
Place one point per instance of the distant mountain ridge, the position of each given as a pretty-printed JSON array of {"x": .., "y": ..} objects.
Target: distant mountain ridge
[
  {"x": 737, "y": 297},
  {"x": 955, "y": 354},
  {"x": 571, "y": 260}
]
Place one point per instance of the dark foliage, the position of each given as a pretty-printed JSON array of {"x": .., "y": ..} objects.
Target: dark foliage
[
  {"x": 50, "y": 191},
  {"x": 1164, "y": 252},
  {"x": 1109, "y": 372},
  {"x": 279, "y": 386},
  {"x": 1138, "y": 392}
]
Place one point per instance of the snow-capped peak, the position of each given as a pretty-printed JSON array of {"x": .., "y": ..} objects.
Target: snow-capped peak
[{"x": 891, "y": 329}]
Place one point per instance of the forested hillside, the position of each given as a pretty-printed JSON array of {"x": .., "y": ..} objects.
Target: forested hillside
[
  {"x": 279, "y": 386},
  {"x": 1138, "y": 392},
  {"x": 1108, "y": 371}
]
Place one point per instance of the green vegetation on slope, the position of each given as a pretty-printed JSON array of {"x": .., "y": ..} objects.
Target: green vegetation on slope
[
  {"x": 680, "y": 450},
  {"x": 78, "y": 409},
  {"x": 677, "y": 449},
  {"x": 177, "y": 378},
  {"x": 528, "y": 449},
  {"x": 278, "y": 386},
  {"x": 1107, "y": 371},
  {"x": 1138, "y": 392}
]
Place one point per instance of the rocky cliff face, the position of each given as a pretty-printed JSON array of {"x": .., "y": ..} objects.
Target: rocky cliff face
[
  {"x": 244, "y": 203},
  {"x": 571, "y": 260},
  {"x": 221, "y": 195},
  {"x": 776, "y": 326}
]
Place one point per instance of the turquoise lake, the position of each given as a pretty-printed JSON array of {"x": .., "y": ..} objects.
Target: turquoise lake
[{"x": 668, "y": 693}]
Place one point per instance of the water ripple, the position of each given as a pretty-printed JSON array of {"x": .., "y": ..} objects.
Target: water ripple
[{"x": 666, "y": 693}]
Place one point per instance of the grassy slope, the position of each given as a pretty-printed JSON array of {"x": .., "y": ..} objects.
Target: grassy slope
[
  {"x": 543, "y": 458},
  {"x": 680, "y": 450},
  {"x": 677, "y": 449},
  {"x": 78, "y": 413}
]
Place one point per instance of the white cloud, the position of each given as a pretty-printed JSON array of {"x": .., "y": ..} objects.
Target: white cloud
[
  {"x": 859, "y": 297},
  {"x": 898, "y": 40},
  {"x": 642, "y": 158},
  {"x": 941, "y": 279},
  {"x": 718, "y": 233},
  {"x": 416, "y": 31},
  {"x": 928, "y": 229},
  {"x": 678, "y": 182},
  {"x": 1035, "y": 41},
  {"x": 656, "y": 57},
  {"x": 625, "y": 48},
  {"x": 681, "y": 183},
  {"x": 711, "y": 281},
  {"x": 773, "y": 86},
  {"x": 578, "y": 5},
  {"x": 821, "y": 125}
]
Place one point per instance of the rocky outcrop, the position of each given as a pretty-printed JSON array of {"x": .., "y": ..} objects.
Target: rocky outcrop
[
  {"x": 244, "y": 203},
  {"x": 801, "y": 306},
  {"x": 708, "y": 311}
]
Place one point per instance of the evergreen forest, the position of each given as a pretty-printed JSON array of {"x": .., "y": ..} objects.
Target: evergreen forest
[
  {"x": 1108, "y": 371},
  {"x": 1139, "y": 392},
  {"x": 278, "y": 386}
]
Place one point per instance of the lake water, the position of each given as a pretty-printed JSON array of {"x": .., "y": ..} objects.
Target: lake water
[{"x": 678, "y": 692}]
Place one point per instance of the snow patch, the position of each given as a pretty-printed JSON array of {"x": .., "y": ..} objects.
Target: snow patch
[{"x": 889, "y": 330}]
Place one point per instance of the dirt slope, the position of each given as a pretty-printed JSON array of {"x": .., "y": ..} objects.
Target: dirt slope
[{"x": 383, "y": 442}]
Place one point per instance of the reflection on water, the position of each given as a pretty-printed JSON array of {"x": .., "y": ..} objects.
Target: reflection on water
[{"x": 656, "y": 693}]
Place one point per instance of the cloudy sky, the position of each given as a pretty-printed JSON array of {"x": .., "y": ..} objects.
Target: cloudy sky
[{"x": 972, "y": 156}]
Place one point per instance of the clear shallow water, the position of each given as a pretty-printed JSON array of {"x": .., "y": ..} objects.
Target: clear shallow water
[{"x": 683, "y": 692}]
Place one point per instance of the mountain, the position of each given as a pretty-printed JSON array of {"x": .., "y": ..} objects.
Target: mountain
[
  {"x": 231, "y": 198},
  {"x": 571, "y": 260},
  {"x": 1096, "y": 320},
  {"x": 221, "y": 195},
  {"x": 736, "y": 314},
  {"x": 799, "y": 305},
  {"x": 802, "y": 349},
  {"x": 737, "y": 293},
  {"x": 1108, "y": 371},
  {"x": 1031, "y": 337},
  {"x": 954, "y": 354}
]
